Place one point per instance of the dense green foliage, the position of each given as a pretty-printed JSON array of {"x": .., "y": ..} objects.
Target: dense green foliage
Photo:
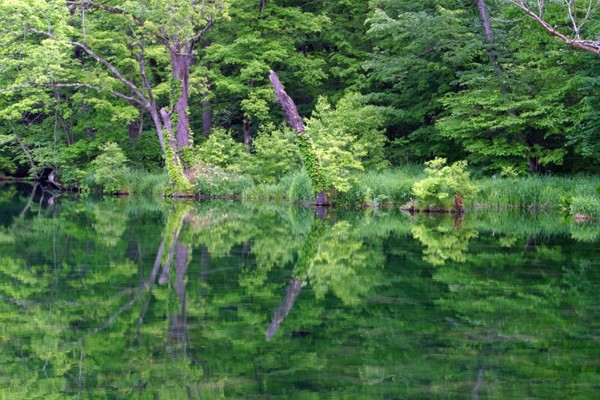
[
  {"x": 380, "y": 83},
  {"x": 442, "y": 185}
]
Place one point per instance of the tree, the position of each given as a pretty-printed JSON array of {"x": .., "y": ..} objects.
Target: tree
[
  {"x": 244, "y": 49},
  {"x": 112, "y": 45},
  {"x": 512, "y": 109},
  {"x": 418, "y": 48},
  {"x": 574, "y": 25}
]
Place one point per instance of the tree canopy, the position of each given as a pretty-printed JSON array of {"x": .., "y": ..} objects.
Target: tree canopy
[{"x": 503, "y": 84}]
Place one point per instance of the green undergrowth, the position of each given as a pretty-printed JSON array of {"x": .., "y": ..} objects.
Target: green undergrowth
[
  {"x": 579, "y": 194},
  {"x": 388, "y": 187},
  {"x": 295, "y": 187},
  {"x": 131, "y": 182},
  {"x": 213, "y": 182},
  {"x": 391, "y": 187},
  {"x": 146, "y": 183}
]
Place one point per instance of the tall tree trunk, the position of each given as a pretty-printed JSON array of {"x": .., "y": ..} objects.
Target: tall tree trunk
[
  {"x": 155, "y": 114},
  {"x": 135, "y": 130},
  {"x": 247, "y": 135},
  {"x": 166, "y": 120},
  {"x": 181, "y": 63},
  {"x": 262, "y": 5},
  {"x": 488, "y": 33},
  {"x": 206, "y": 116}
]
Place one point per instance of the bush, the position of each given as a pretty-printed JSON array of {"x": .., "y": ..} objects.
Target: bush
[
  {"x": 442, "y": 183},
  {"x": 220, "y": 150},
  {"x": 347, "y": 138},
  {"x": 109, "y": 169},
  {"x": 275, "y": 154}
]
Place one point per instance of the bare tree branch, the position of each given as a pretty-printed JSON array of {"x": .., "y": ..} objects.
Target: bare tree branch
[
  {"x": 592, "y": 46},
  {"x": 99, "y": 89},
  {"x": 142, "y": 65}
]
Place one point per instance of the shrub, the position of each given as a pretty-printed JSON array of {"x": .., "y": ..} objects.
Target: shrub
[
  {"x": 348, "y": 138},
  {"x": 442, "y": 183},
  {"x": 109, "y": 168},
  {"x": 275, "y": 154},
  {"x": 220, "y": 150}
]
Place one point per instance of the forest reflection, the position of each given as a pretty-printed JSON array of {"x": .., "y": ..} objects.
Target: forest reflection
[{"x": 147, "y": 298}]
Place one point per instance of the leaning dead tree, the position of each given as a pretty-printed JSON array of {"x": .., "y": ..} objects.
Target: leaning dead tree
[
  {"x": 300, "y": 275},
  {"x": 307, "y": 147},
  {"x": 578, "y": 16}
]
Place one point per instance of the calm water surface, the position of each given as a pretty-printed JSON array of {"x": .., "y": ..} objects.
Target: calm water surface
[{"x": 146, "y": 299}]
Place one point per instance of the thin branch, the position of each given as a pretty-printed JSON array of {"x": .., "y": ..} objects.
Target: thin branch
[
  {"x": 32, "y": 85},
  {"x": 210, "y": 20},
  {"x": 572, "y": 10},
  {"x": 114, "y": 71},
  {"x": 592, "y": 46},
  {"x": 142, "y": 65},
  {"x": 590, "y": 10},
  {"x": 209, "y": 23},
  {"x": 99, "y": 89}
]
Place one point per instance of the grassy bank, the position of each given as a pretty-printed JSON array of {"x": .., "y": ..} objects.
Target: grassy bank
[
  {"x": 572, "y": 195},
  {"x": 392, "y": 187}
]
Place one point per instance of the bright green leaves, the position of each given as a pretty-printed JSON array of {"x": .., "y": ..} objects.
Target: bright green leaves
[
  {"x": 347, "y": 139},
  {"x": 220, "y": 150},
  {"x": 443, "y": 182},
  {"x": 109, "y": 168},
  {"x": 181, "y": 20},
  {"x": 275, "y": 154}
]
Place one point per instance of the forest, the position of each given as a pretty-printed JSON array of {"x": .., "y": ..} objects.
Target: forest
[{"x": 174, "y": 97}]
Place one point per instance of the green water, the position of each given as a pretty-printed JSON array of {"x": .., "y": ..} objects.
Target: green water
[{"x": 139, "y": 298}]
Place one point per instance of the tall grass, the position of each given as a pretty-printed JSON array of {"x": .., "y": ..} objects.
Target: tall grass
[
  {"x": 212, "y": 182},
  {"x": 392, "y": 187},
  {"x": 533, "y": 192},
  {"x": 389, "y": 187},
  {"x": 586, "y": 206},
  {"x": 146, "y": 183},
  {"x": 295, "y": 187}
]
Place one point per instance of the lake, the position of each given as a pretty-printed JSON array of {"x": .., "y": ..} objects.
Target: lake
[{"x": 151, "y": 299}]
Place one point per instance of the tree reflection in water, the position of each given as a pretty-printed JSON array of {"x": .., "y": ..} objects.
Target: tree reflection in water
[{"x": 138, "y": 298}]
